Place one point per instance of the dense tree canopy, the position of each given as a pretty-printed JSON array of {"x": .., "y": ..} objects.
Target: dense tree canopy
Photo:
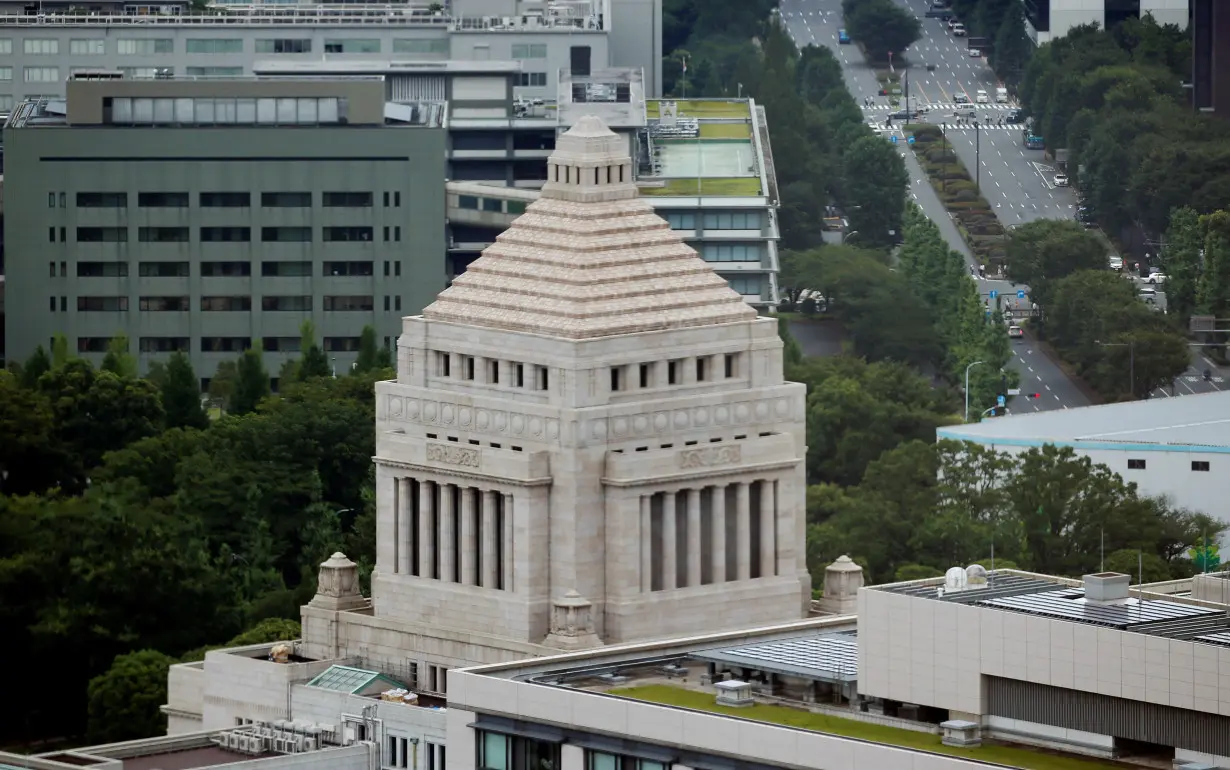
[{"x": 883, "y": 28}]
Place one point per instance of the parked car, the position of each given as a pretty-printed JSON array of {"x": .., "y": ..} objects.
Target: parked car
[
  {"x": 981, "y": 97},
  {"x": 1148, "y": 294},
  {"x": 843, "y": 37},
  {"x": 1015, "y": 332},
  {"x": 1157, "y": 279},
  {"x": 1116, "y": 263},
  {"x": 960, "y": 98},
  {"x": 1060, "y": 180}
]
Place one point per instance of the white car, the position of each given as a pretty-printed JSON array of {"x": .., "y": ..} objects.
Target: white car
[
  {"x": 1148, "y": 294},
  {"x": 952, "y": 23},
  {"x": 958, "y": 29},
  {"x": 960, "y": 98},
  {"x": 1015, "y": 332},
  {"x": 982, "y": 97},
  {"x": 1061, "y": 180},
  {"x": 974, "y": 53},
  {"x": 1156, "y": 279},
  {"x": 1116, "y": 263}
]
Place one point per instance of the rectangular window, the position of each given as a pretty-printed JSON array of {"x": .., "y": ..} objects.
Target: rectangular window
[
  {"x": 747, "y": 285},
  {"x": 493, "y": 204},
  {"x": 421, "y": 46},
  {"x": 163, "y": 270},
  {"x": 282, "y": 344},
  {"x": 347, "y": 200},
  {"x": 702, "y": 369},
  {"x": 225, "y": 344},
  {"x": 6, "y": 101},
  {"x": 617, "y": 375},
  {"x": 532, "y": 79},
  {"x": 42, "y": 74},
  {"x": 529, "y": 50},
  {"x": 214, "y": 72},
  {"x": 397, "y": 268},
  {"x": 544, "y": 378},
  {"x": 467, "y": 202},
  {"x": 644, "y": 375},
  {"x": 162, "y": 200},
  {"x": 51, "y": 236},
  {"x": 144, "y": 47},
  {"x": 102, "y": 235},
  {"x": 397, "y": 302},
  {"x": 231, "y": 269},
  {"x": 6, "y": 73},
  {"x": 334, "y": 234},
  {"x": 286, "y": 200},
  {"x": 295, "y": 269},
  {"x": 164, "y": 304},
  {"x": 1136, "y": 465},
  {"x": 285, "y": 45},
  {"x": 215, "y": 45},
  {"x": 347, "y": 268},
  {"x": 226, "y": 200},
  {"x": 520, "y": 375},
  {"x": 163, "y": 344},
  {"x": 92, "y": 344},
  {"x": 87, "y": 47},
  {"x": 731, "y": 365},
  {"x": 1200, "y": 465},
  {"x": 341, "y": 344},
  {"x": 731, "y": 252},
  {"x": 226, "y": 234},
  {"x": 286, "y": 234},
  {"x": 53, "y": 304},
  {"x": 102, "y": 269},
  {"x": 162, "y": 234},
  {"x": 515, "y": 207},
  {"x": 365, "y": 45},
  {"x": 40, "y": 47},
  {"x": 6, "y": 46},
  {"x": 102, "y": 304},
  {"x": 672, "y": 372},
  {"x": 144, "y": 73},
  {"x": 732, "y": 220},
  {"x": 444, "y": 363},
  {"x": 286, "y": 304},
  {"x": 102, "y": 200},
  {"x": 355, "y": 303},
  {"x": 240, "y": 304}
]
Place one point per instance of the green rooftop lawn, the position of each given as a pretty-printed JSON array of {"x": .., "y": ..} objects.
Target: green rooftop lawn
[
  {"x": 702, "y": 108},
  {"x": 746, "y": 186},
  {"x": 1030, "y": 759},
  {"x": 725, "y": 131}
]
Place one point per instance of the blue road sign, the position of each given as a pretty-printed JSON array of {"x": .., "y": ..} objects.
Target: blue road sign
[
  {"x": 1020, "y": 294},
  {"x": 910, "y": 140},
  {"x": 1000, "y": 400},
  {"x": 894, "y": 138},
  {"x": 994, "y": 294}
]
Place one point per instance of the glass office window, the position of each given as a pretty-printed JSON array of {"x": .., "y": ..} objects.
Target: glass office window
[
  {"x": 87, "y": 47},
  {"x": 144, "y": 46},
  {"x": 352, "y": 45},
  {"x": 6, "y": 46},
  {"x": 284, "y": 45},
  {"x": 731, "y": 252},
  {"x": 529, "y": 51},
  {"x": 38, "y": 47},
  {"x": 421, "y": 46},
  {"x": 732, "y": 220},
  {"x": 748, "y": 285},
  {"x": 42, "y": 75},
  {"x": 215, "y": 45},
  {"x": 215, "y": 72}
]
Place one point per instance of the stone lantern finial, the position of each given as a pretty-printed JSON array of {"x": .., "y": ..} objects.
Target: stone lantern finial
[
  {"x": 842, "y": 579},
  {"x": 337, "y": 585},
  {"x": 572, "y": 623}
]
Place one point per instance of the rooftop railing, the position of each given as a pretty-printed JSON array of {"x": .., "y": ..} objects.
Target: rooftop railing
[{"x": 273, "y": 16}]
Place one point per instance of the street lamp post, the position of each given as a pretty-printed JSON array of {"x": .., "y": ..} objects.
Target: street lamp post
[{"x": 971, "y": 366}]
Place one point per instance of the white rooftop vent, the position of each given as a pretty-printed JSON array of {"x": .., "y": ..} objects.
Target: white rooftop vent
[
  {"x": 1107, "y": 586},
  {"x": 975, "y": 576},
  {"x": 955, "y": 579}
]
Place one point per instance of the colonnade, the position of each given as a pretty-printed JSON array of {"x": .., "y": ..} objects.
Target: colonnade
[
  {"x": 706, "y": 535},
  {"x": 453, "y": 533}
]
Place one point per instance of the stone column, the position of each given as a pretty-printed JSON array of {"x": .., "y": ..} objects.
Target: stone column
[
  {"x": 768, "y": 529},
  {"x": 405, "y": 537},
  {"x": 694, "y": 551},
  {"x": 427, "y": 530},
  {"x": 506, "y": 545},
  {"x": 469, "y": 537},
  {"x": 490, "y": 540},
  {"x": 646, "y": 540},
  {"x": 718, "y": 508},
  {"x": 670, "y": 548},
  {"x": 448, "y": 534},
  {"x": 743, "y": 531}
]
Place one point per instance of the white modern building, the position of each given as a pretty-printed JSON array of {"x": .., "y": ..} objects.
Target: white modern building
[
  {"x": 1047, "y": 20},
  {"x": 1177, "y": 447},
  {"x": 39, "y": 51}
]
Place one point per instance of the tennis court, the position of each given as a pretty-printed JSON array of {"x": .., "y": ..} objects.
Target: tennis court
[{"x": 705, "y": 159}]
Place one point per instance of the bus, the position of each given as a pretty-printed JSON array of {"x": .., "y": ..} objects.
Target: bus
[{"x": 1033, "y": 141}]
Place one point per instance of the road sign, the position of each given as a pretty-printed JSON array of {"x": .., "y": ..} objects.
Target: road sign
[
  {"x": 910, "y": 140},
  {"x": 1203, "y": 323},
  {"x": 1014, "y": 391},
  {"x": 1020, "y": 294},
  {"x": 894, "y": 138},
  {"x": 994, "y": 294},
  {"x": 1001, "y": 400}
]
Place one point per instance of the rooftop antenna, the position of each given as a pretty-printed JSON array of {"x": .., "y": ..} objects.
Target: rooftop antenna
[
  {"x": 1140, "y": 579},
  {"x": 1103, "y": 567},
  {"x": 992, "y": 554}
]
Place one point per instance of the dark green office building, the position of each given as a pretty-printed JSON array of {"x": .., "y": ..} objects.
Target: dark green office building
[{"x": 202, "y": 215}]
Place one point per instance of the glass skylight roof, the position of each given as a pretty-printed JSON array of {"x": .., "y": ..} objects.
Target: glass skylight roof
[{"x": 344, "y": 679}]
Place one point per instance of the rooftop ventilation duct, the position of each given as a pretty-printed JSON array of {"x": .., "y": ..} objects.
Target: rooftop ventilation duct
[{"x": 1107, "y": 586}]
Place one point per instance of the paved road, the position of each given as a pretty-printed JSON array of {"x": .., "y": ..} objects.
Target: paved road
[{"x": 815, "y": 22}]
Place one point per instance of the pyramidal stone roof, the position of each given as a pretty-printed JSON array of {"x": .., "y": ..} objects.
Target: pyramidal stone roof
[{"x": 589, "y": 258}]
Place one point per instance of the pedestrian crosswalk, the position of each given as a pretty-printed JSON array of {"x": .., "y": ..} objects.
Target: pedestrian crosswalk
[
  {"x": 941, "y": 107},
  {"x": 949, "y": 124}
]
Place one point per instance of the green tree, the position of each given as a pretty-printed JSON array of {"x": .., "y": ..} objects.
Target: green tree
[
  {"x": 125, "y": 702},
  {"x": 35, "y": 366},
  {"x": 1045, "y": 250},
  {"x": 222, "y": 385},
  {"x": 875, "y": 186},
  {"x": 314, "y": 362},
  {"x": 251, "y": 382},
  {"x": 60, "y": 354},
  {"x": 1013, "y": 48},
  {"x": 1139, "y": 564},
  {"x": 29, "y": 459},
  {"x": 884, "y": 28},
  {"x": 181, "y": 395},
  {"x": 1181, "y": 261},
  {"x": 119, "y": 360},
  {"x": 1213, "y": 288},
  {"x": 368, "y": 351},
  {"x": 266, "y": 631}
]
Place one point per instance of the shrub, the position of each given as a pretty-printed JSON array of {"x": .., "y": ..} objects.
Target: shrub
[{"x": 965, "y": 195}]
